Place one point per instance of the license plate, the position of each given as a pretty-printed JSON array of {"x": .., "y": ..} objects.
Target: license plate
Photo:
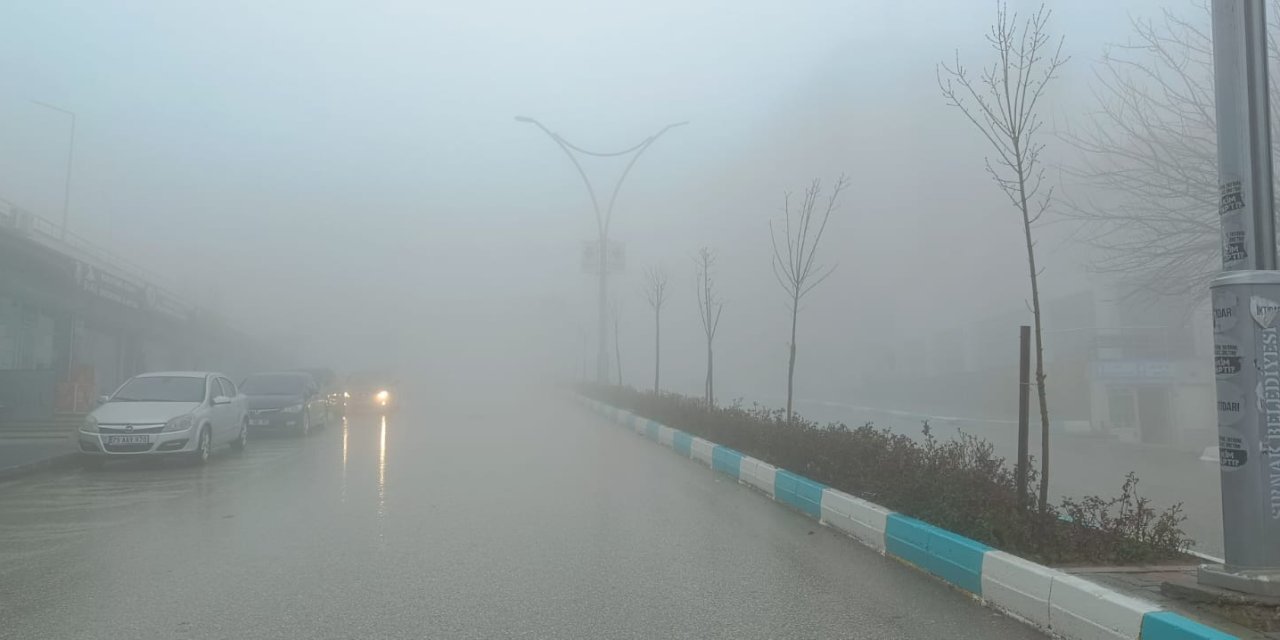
[
  {"x": 128, "y": 439},
  {"x": 261, "y": 422}
]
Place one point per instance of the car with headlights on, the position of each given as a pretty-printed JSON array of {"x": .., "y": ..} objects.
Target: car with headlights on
[
  {"x": 371, "y": 391},
  {"x": 285, "y": 401},
  {"x": 167, "y": 413}
]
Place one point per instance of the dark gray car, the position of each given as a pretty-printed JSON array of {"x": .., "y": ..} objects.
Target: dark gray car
[{"x": 284, "y": 401}]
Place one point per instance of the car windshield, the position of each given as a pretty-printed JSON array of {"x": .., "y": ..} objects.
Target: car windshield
[
  {"x": 161, "y": 389},
  {"x": 273, "y": 384}
]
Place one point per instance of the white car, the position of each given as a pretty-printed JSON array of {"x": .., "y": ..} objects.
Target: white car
[{"x": 168, "y": 413}]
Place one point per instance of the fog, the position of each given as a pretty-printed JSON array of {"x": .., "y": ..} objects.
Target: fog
[
  {"x": 347, "y": 179},
  {"x": 366, "y": 187}
]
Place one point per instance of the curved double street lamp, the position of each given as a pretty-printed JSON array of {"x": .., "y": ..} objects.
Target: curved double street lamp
[{"x": 603, "y": 219}]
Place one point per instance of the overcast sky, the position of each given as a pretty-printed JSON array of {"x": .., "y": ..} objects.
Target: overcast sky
[{"x": 350, "y": 173}]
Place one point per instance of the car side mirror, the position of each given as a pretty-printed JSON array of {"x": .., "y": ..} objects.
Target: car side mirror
[
  {"x": 104, "y": 399},
  {"x": 221, "y": 400}
]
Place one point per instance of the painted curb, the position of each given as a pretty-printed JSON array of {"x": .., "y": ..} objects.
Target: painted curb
[
  {"x": 855, "y": 517},
  {"x": 1059, "y": 603},
  {"x": 760, "y": 475}
]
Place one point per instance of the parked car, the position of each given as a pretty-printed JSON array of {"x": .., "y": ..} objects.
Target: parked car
[
  {"x": 328, "y": 383},
  {"x": 285, "y": 400},
  {"x": 372, "y": 391},
  {"x": 168, "y": 413}
]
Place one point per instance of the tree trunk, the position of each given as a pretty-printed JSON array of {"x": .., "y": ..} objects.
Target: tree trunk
[
  {"x": 710, "y": 390},
  {"x": 791, "y": 364},
  {"x": 1040, "y": 394},
  {"x": 1035, "y": 312},
  {"x": 657, "y": 347}
]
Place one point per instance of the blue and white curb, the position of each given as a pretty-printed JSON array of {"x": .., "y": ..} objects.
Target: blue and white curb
[{"x": 1064, "y": 605}]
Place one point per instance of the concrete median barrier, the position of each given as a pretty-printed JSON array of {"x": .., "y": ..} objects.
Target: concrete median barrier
[{"x": 758, "y": 474}]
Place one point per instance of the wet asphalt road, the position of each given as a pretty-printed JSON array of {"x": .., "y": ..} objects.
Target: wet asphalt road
[{"x": 532, "y": 519}]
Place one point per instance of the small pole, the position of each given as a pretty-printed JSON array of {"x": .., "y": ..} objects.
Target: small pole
[{"x": 1024, "y": 405}]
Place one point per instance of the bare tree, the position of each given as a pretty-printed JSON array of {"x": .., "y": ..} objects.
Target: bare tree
[
  {"x": 1002, "y": 103},
  {"x": 655, "y": 291},
  {"x": 1149, "y": 157},
  {"x": 795, "y": 247},
  {"x": 709, "y": 308}
]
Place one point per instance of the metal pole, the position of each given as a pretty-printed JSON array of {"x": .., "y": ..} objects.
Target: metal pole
[
  {"x": 602, "y": 327},
  {"x": 603, "y": 219},
  {"x": 1246, "y": 302},
  {"x": 1024, "y": 404},
  {"x": 66, "y": 185},
  {"x": 71, "y": 147}
]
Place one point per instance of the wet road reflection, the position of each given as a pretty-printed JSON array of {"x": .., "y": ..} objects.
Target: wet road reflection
[
  {"x": 501, "y": 527},
  {"x": 382, "y": 469}
]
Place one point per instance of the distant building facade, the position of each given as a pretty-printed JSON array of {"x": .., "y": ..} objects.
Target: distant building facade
[{"x": 1134, "y": 371}]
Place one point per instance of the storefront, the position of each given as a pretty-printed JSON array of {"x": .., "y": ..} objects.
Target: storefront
[{"x": 1164, "y": 402}]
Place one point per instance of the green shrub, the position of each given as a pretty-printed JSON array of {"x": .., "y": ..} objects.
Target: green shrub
[{"x": 959, "y": 485}]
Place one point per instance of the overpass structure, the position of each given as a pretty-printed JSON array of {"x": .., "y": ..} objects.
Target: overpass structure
[{"x": 76, "y": 320}]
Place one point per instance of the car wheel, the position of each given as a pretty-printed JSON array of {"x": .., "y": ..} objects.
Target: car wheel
[
  {"x": 91, "y": 463},
  {"x": 239, "y": 443},
  {"x": 305, "y": 429},
  {"x": 204, "y": 449}
]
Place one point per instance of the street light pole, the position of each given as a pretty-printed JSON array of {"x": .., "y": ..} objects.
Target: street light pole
[
  {"x": 603, "y": 219},
  {"x": 1246, "y": 307},
  {"x": 71, "y": 147}
]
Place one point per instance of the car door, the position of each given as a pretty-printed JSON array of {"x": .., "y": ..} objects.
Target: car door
[
  {"x": 241, "y": 404},
  {"x": 222, "y": 413},
  {"x": 233, "y": 411},
  {"x": 215, "y": 410}
]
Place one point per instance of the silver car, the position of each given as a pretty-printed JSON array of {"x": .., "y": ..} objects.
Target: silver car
[{"x": 168, "y": 413}]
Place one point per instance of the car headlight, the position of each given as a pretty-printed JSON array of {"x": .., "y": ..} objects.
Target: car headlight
[
  {"x": 90, "y": 425},
  {"x": 382, "y": 396},
  {"x": 180, "y": 423},
  {"x": 346, "y": 394},
  {"x": 297, "y": 408}
]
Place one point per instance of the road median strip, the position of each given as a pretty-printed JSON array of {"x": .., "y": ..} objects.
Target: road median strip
[{"x": 1064, "y": 605}]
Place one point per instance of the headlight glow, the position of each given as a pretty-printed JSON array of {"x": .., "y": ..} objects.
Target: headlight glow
[
  {"x": 382, "y": 396},
  {"x": 90, "y": 425},
  {"x": 297, "y": 408},
  {"x": 180, "y": 423},
  {"x": 346, "y": 395}
]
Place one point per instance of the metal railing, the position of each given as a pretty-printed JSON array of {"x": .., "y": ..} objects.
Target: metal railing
[{"x": 49, "y": 234}]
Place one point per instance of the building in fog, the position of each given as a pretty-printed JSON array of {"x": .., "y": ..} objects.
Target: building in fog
[
  {"x": 76, "y": 321},
  {"x": 1135, "y": 371}
]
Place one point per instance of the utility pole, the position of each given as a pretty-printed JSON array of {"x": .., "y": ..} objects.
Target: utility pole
[
  {"x": 603, "y": 219},
  {"x": 71, "y": 148},
  {"x": 1246, "y": 306}
]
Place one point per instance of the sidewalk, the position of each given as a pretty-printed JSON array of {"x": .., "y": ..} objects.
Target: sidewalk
[
  {"x": 1175, "y": 588},
  {"x": 19, "y": 456}
]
